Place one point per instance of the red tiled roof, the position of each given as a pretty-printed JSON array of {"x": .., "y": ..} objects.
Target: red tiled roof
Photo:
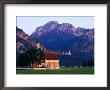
[{"x": 51, "y": 56}]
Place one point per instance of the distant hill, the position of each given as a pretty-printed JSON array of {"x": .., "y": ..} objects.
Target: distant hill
[{"x": 64, "y": 37}]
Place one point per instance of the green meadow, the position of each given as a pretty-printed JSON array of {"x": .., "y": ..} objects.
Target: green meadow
[{"x": 83, "y": 70}]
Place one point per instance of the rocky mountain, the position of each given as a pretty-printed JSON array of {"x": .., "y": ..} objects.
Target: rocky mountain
[
  {"x": 65, "y": 37},
  {"x": 23, "y": 41}
]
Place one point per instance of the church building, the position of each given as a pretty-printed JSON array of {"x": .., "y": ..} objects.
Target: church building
[{"x": 51, "y": 61}]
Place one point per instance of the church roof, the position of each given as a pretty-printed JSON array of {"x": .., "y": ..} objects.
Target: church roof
[{"x": 51, "y": 56}]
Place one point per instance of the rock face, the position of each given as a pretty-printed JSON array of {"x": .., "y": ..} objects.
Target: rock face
[
  {"x": 23, "y": 42},
  {"x": 65, "y": 37}
]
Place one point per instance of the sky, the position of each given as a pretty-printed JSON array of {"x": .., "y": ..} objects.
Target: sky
[{"x": 29, "y": 23}]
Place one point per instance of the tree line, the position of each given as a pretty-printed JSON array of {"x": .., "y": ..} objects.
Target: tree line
[{"x": 30, "y": 57}]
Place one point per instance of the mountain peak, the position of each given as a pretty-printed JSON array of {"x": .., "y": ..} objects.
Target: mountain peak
[
  {"x": 51, "y": 25},
  {"x": 53, "y": 22}
]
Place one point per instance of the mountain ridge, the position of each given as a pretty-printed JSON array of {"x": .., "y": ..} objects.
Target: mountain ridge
[{"x": 64, "y": 37}]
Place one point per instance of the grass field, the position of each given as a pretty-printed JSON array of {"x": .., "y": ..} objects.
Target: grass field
[{"x": 84, "y": 70}]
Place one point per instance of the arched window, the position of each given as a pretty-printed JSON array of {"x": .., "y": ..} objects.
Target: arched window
[
  {"x": 54, "y": 66},
  {"x": 49, "y": 65}
]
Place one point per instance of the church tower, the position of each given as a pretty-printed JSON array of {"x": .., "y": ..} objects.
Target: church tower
[{"x": 38, "y": 45}]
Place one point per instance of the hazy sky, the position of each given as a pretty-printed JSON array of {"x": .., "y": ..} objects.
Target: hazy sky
[{"x": 28, "y": 24}]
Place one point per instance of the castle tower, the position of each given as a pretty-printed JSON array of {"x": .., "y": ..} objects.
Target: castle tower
[{"x": 69, "y": 53}]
